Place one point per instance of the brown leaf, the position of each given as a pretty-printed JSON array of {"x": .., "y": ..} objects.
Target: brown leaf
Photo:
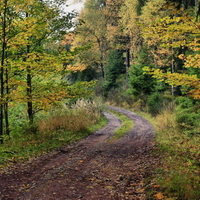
[
  {"x": 159, "y": 196},
  {"x": 156, "y": 186},
  {"x": 109, "y": 187}
]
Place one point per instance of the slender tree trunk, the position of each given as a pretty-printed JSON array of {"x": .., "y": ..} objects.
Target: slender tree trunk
[
  {"x": 127, "y": 63},
  {"x": 102, "y": 71},
  {"x": 6, "y": 105},
  {"x": 2, "y": 92},
  {"x": 3, "y": 54},
  {"x": 172, "y": 69},
  {"x": 29, "y": 88},
  {"x": 29, "y": 92},
  {"x": 1, "y": 102}
]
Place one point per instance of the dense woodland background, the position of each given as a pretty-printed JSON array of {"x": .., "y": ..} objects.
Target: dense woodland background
[{"x": 142, "y": 55}]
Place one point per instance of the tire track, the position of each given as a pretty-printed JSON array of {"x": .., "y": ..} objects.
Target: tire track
[{"x": 92, "y": 168}]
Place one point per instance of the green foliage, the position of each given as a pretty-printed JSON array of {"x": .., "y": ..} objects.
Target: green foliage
[
  {"x": 155, "y": 103},
  {"x": 18, "y": 119},
  {"x": 141, "y": 82},
  {"x": 114, "y": 68},
  {"x": 187, "y": 114},
  {"x": 184, "y": 102},
  {"x": 187, "y": 119},
  {"x": 87, "y": 74}
]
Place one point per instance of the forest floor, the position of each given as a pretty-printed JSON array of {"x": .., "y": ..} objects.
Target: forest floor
[{"x": 92, "y": 168}]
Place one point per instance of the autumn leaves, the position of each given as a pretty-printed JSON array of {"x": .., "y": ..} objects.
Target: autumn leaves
[{"x": 32, "y": 57}]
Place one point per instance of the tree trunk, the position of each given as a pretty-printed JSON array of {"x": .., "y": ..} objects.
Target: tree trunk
[
  {"x": 127, "y": 63},
  {"x": 29, "y": 88},
  {"x": 3, "y": 54},
  {"x": 6, "y": 106},
  {"x": 29, "y": 92},
  {"x": 2, "y": 92}
]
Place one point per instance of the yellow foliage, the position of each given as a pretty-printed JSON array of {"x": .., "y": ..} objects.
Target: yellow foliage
[{"x": 77, "y": 67}]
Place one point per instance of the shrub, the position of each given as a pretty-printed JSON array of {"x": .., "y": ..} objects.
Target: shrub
[
  {"x": 155, "y": 103},
  {"x": 187, "y": 118},
  {"x": 184, "y": 102},
  {"x": 187, "y": 113}
]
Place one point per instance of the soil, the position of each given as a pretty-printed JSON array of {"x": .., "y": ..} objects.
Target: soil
[{"x": 93, "y": 168}]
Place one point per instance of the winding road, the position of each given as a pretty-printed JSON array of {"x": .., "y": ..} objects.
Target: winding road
[{"x": 94, "y": 168}]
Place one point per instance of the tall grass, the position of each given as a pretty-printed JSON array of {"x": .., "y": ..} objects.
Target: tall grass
[
  {"x": 76, "y": 118},
  {"x": 179, "y": 173}
]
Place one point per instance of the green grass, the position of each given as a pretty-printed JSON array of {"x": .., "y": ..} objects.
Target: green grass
[
  {"x": 127, "y": 124},
  {"x": 178, "y": 175},
  {"x": 25, "y": 146}
]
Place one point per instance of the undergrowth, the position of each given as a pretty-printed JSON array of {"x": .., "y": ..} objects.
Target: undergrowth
[
  {"x": 53, "y": 129},
  {"x": 179, "y": 172}
]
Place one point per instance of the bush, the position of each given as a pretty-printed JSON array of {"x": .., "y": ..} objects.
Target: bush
[
  {"x": 184, "y": 102},
  {"x": 155, "y": 103},
  {"x": 187, "y": 113},
  {"x": 187, "y": 118}
]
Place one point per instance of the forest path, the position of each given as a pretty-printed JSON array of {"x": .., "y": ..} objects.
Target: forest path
[{"x": 93, "y": 168}]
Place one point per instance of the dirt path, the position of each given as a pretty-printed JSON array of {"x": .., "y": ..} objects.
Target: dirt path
[{"x": 92, "y": 168}]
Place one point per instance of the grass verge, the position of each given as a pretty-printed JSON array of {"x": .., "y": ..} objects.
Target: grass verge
[
  {"x": 127, "y": 124},
  {"x": 178, "y": 175},
  {"x": 54, "y": 131}
]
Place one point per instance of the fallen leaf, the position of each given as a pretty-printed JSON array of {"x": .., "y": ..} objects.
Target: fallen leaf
[
  {"x": 109, "y": 187},
  {"x": 159, "y": 196},
  {"x": 90, "y": 187},
  {"x": 140, "y": 191},
  {"x": 156, "y": 186}
]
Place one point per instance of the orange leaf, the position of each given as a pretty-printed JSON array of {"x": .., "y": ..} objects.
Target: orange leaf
[
  {"x": 159, "y": 196},
  {"x": 156, "y": 186}
]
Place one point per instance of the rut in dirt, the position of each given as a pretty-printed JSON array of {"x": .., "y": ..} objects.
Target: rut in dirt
[{"x": 93, "y": 168}]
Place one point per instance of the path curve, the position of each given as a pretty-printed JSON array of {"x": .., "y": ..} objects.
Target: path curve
[{"x": 92, "y": 168}]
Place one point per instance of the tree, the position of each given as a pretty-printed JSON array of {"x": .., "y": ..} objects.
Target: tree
[
  {"x": 31, "y": 72},
  {"x": 3, "y": 57},
  {"x": 129, "y": 21},
  {"x": 114, "y": 68},
  {"x": 141, "y": 83},
  {"x": 99, "y": 29},
  {"x": 182, "y": 31},
  {"x": 7, "y": 31}
]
